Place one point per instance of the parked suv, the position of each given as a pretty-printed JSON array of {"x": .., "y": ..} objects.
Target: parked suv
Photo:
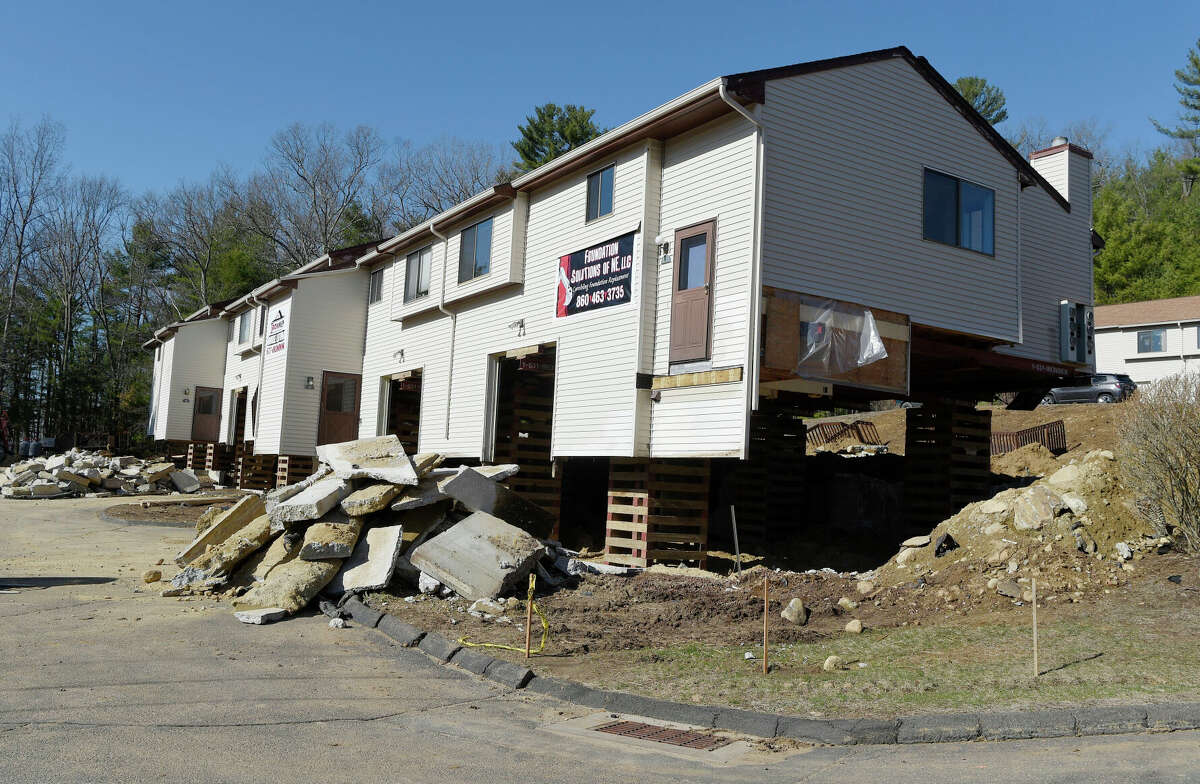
[{"x": 1100, "y": 388}]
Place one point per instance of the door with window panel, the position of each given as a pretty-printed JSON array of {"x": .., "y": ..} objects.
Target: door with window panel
[
  {"x": 339, "y": 408},
  {"x": 691, "y": 297},
  {"x": 206, "y": 414}
]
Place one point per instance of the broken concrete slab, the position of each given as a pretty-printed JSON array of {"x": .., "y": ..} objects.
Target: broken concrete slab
[
  {"x": 260, "y": 617},
  {"x": 426, "y": 462},
  {"x": 291, "y": 585},
  {"x": 280, "y": 494},
  {"x": 157, "y": 471},
  {"x": 480, "y": 494},
  {"x": 311, "y": 503},
  {"x": 369, "y": 499},
  {"x": 480, "y": 557},
  {"x": 185, "y": 481},
  {"x": 230, "y": 522},
  {"x": 426, "y": 492},
  {"x": 379, "y": 458},
  {"x": 216, "y": 564},
  {"x": 373, "y": 562},
  {"x": 333, "y": 537}
]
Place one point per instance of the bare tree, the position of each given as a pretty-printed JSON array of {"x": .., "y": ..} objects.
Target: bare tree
[
  {"x": 313, "y": 184},
  {"x": 1034, "y": 134},
  {"x": 418, "y": 183},
  {"x": 31, "y": 171}
]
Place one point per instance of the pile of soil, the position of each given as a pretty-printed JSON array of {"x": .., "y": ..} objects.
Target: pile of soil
[
  {"x": 1029, "y": 460},
  {"x": 1089, "y": 425}
]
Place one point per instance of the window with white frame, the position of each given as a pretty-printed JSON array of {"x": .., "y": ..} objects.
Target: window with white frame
[
  {"x": 1151, "y": 340},
  {"x": 244, "y": 323},
  {"x": 376, "y": 288},
  {"x": 475, "y": 251},
  {"x": 417, "y": 266},
  {"x": 600, "y": 193}
]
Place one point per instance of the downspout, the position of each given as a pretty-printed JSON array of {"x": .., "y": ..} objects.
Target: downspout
[
  {"x": 453, "y": 318},
  {"x": 1020, "y": 294},
  {"x": 755, "y": 325},
  {"x": 262, "y": 354}
]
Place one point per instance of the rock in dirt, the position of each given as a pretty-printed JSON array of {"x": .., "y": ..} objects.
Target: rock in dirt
[
  {"x": 489, "y": 606},
  {"x": 151, "y": 575},
  {"x": 995, "y": 506},
  {"x": 333, "y": 537},
  {"x": 480, "y": 557},
  {"x": 795, "y": 612},
  {"x": 944, "y": 544},
  {"x": 854, "y": 627},
  {"x": 1067, "y": 476},
  {"x": 379, "y": 458},
  {"x": 185, "y": 481},
  {"x": 1036, "y": 507},
  {"x": 1009, "y": 588},
  {"x": 847, "y": 604},
  {"x": 1124, "y": 551},
  {"x": 1075, "y": 503},
  {"x": 832, "y": 663},
  {"x": 260, "y": 617},
  {"x": 427, "y": 584},
  {"x": 225, "y": 525},
  {"x": 373, "y": 561},
  {"x": 916, "y": 541},
  {"x": 864, "y": 587}
]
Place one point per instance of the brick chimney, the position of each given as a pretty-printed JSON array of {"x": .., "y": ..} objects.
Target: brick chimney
[{"x": 1068, "y": 167}]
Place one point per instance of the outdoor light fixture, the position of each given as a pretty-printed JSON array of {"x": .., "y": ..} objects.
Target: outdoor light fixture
[
  {"x": 308, "y": 382},
  {"x": 187, "y": 390}
]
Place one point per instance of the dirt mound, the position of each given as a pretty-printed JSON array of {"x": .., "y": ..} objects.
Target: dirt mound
[
  {"x": 1075, "y": 531},
  {"x": 1089, "y": 425},
  {"x": 1029, "y": 460}
]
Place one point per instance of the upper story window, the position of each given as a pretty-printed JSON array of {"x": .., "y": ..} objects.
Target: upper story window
[
  {"x": 959, "y": 213},
  {"x": 244, "y": 324},
  {"x": 475, "y": 251},
  {"x": 1151, "y": 340},
  {"x": 600, "y": 193},
  {"x": 417, "y": 269},
  {"x": 375, "y": 292}
]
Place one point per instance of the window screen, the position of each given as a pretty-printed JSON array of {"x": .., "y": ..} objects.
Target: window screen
[{"x": 600, "y": 193}]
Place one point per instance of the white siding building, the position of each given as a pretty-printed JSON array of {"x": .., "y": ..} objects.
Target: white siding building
[
  {"x": 1149, "y": 340},
  {"x": 189, "y": 365}
]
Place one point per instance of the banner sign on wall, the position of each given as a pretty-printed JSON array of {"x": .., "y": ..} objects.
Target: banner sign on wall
[
  {"x": 277, "y": 333},
  {"x": 597, "y": 277}
]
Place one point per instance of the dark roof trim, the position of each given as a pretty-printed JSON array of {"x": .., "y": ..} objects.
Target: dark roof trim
[
  {"x": 476, "y": 205},
  {"x": 752, "y": 85},
  {"x": 1097, "y": 241},
  {"x": 1075, "y": 148}
]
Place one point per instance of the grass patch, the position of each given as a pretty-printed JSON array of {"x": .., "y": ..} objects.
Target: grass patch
[{"x": 928, "y": 669}]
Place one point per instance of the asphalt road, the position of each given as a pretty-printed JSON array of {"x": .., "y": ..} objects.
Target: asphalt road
[{"x": 112, "y": 683}]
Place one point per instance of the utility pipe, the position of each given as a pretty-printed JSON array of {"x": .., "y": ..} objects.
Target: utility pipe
[
  {"x": 453, "y": 318},
  {"x": 251, "y": 405}
]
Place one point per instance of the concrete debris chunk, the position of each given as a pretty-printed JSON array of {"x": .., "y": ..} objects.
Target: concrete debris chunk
[
  {"x": 480, "y": 494},
  {"x": 373, "y": 562},
  {"x": 260, "y": 617},
  {"x": 185, "y": 481},
  {"x": 426, "y": 462},
  {"x": 280, "y": 494},
  {"x": 157, "y": 471},
  {"x": 379, "y": 458},
  {"x": 369, "y": 499},
  {"x": 333, "y": 537},
  {"x": 311, "y": 503},
  {"x": 217, "y": 563},
  {"x": 232, "y": 520},
  {"x": 480, "y": 557},
  {"x": 291, "y": 585},
  {"x": 426, "y": 492}
]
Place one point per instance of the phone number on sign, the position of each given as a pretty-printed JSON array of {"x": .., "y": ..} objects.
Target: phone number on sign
[{"x": 611, "y": 294}]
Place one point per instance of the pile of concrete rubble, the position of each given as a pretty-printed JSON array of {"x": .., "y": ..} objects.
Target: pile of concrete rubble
[
  {"x": 94, "y": 475},
  {"x": 369, "y": 515}
]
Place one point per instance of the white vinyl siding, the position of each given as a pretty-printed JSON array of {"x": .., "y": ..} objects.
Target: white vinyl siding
[
  {"x": 708, "y": 174},
  {"x": 241, "y": 370},
  {"x": 274, "y": 373},
  {"x": 193, "y": 356},
  {"x": 1117, "y": 351},
  {"x": 845, "y": 154}
]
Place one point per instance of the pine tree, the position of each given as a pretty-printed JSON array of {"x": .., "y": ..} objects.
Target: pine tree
[
  {"x": 551, "y": 131},
  {"x": 988, "y": 99},
  {"x": 1187, "y": 84}
]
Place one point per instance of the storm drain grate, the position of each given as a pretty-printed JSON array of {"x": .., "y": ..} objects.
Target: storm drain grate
[{"x": 685, "y": 738}]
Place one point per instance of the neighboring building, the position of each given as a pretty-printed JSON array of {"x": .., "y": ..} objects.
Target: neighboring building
[
  {"x": 1149, "y": 340},
  {"x": 650, "y": 313},
  {"x": 185, "y": 391}
]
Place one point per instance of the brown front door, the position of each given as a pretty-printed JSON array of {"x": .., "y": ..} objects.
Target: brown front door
[
  {"x": 339, "y": 408},
  {"x": 691, "y": 298},
  {"x": 206, "y": 414}
]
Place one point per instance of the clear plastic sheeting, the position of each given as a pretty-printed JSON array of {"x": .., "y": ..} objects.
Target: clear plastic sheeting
[{"x": 836, "y": 337}]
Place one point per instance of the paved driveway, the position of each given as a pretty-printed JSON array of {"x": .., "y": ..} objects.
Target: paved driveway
[{"x": 110, "y": 682}]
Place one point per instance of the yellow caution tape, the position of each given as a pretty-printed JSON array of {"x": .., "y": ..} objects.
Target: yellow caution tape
[{"x": 545, "y": 628}]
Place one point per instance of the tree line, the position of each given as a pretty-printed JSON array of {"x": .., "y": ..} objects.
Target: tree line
[{"x": 89, "y": 270}]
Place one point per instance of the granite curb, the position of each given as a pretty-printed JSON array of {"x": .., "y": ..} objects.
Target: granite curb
[{"x": 930, "y": 728}]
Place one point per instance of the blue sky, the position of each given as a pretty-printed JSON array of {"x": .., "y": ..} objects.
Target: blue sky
[{"x": 153, "y": 93}]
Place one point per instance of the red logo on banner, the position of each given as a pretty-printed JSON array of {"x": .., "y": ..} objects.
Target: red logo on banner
[{"x": 565, "y": 292}]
